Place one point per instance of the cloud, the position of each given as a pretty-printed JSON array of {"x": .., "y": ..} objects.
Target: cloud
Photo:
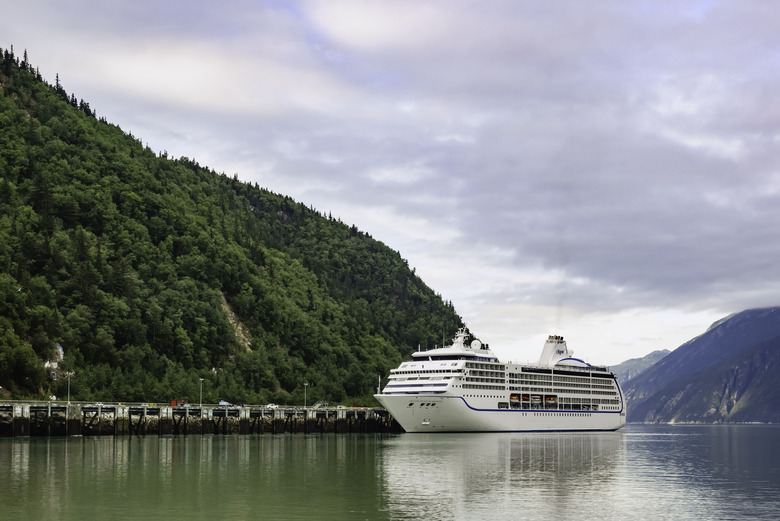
[{"x": 608, "y": 170}]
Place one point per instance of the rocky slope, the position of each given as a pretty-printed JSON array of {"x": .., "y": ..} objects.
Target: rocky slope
[{"x": 728, "y": 374}]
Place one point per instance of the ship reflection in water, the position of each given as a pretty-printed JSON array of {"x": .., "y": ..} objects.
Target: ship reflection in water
[{"x": 532, "y": 475}]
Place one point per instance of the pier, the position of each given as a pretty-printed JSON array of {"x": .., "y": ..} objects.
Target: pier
[{"x": 18, "y": 419}]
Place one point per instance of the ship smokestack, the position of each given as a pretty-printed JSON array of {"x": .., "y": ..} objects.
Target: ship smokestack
[{"x": 555, "y": 349}]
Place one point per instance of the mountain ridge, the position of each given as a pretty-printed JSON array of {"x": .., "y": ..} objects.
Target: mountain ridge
[
  {"x": 633, "y": 367},
  {"x": 721, "y": 376}
]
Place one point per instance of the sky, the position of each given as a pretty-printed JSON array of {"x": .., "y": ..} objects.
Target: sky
[{"x": 607, "y": 171}]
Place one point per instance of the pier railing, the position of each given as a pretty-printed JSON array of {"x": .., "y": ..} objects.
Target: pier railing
[{"x": 140, "y": 419}]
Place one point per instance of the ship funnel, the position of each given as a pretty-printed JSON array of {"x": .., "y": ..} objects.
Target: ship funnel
[{"x": 555, "y": 349}]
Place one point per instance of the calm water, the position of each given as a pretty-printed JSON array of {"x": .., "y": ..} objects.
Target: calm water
[{"x": 641, "y": 472}]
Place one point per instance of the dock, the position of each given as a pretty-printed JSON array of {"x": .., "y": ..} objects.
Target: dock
[{"x": 20, "y": 419}]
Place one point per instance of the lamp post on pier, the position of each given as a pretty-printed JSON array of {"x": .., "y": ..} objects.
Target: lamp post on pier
[
  {"x": 70, "y": 373},
  {"x": 305, "y": 386},
  {"x": 201, "y": 395}
]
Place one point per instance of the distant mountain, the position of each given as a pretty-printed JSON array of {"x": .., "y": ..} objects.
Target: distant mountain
[
  {"x": 728, "y": 374},
  {"x": 635, "y": 366}
]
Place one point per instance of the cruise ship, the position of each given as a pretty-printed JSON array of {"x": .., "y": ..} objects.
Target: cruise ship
[{"x": 463, "y": 387}]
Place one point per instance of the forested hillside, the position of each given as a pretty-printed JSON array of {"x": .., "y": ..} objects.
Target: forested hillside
[{"x": 152, "y": 273}]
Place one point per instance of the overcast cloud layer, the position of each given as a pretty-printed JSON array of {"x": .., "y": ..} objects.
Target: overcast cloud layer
[{"x": 607, "y": 171}]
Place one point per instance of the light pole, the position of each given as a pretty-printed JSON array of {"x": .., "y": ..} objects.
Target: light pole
[
  {"x": 70, "y": 373},
  {"x": 201, "y": 394},
  {"x": 305, "y": 386}
]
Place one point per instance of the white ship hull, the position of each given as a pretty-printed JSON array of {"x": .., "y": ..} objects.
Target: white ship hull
[
  {"x": 441, "y": 413},
  {"x": 465, "y": 388}
]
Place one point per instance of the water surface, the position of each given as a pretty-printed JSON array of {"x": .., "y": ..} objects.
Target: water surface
[{"x": 640, "y": 472}]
